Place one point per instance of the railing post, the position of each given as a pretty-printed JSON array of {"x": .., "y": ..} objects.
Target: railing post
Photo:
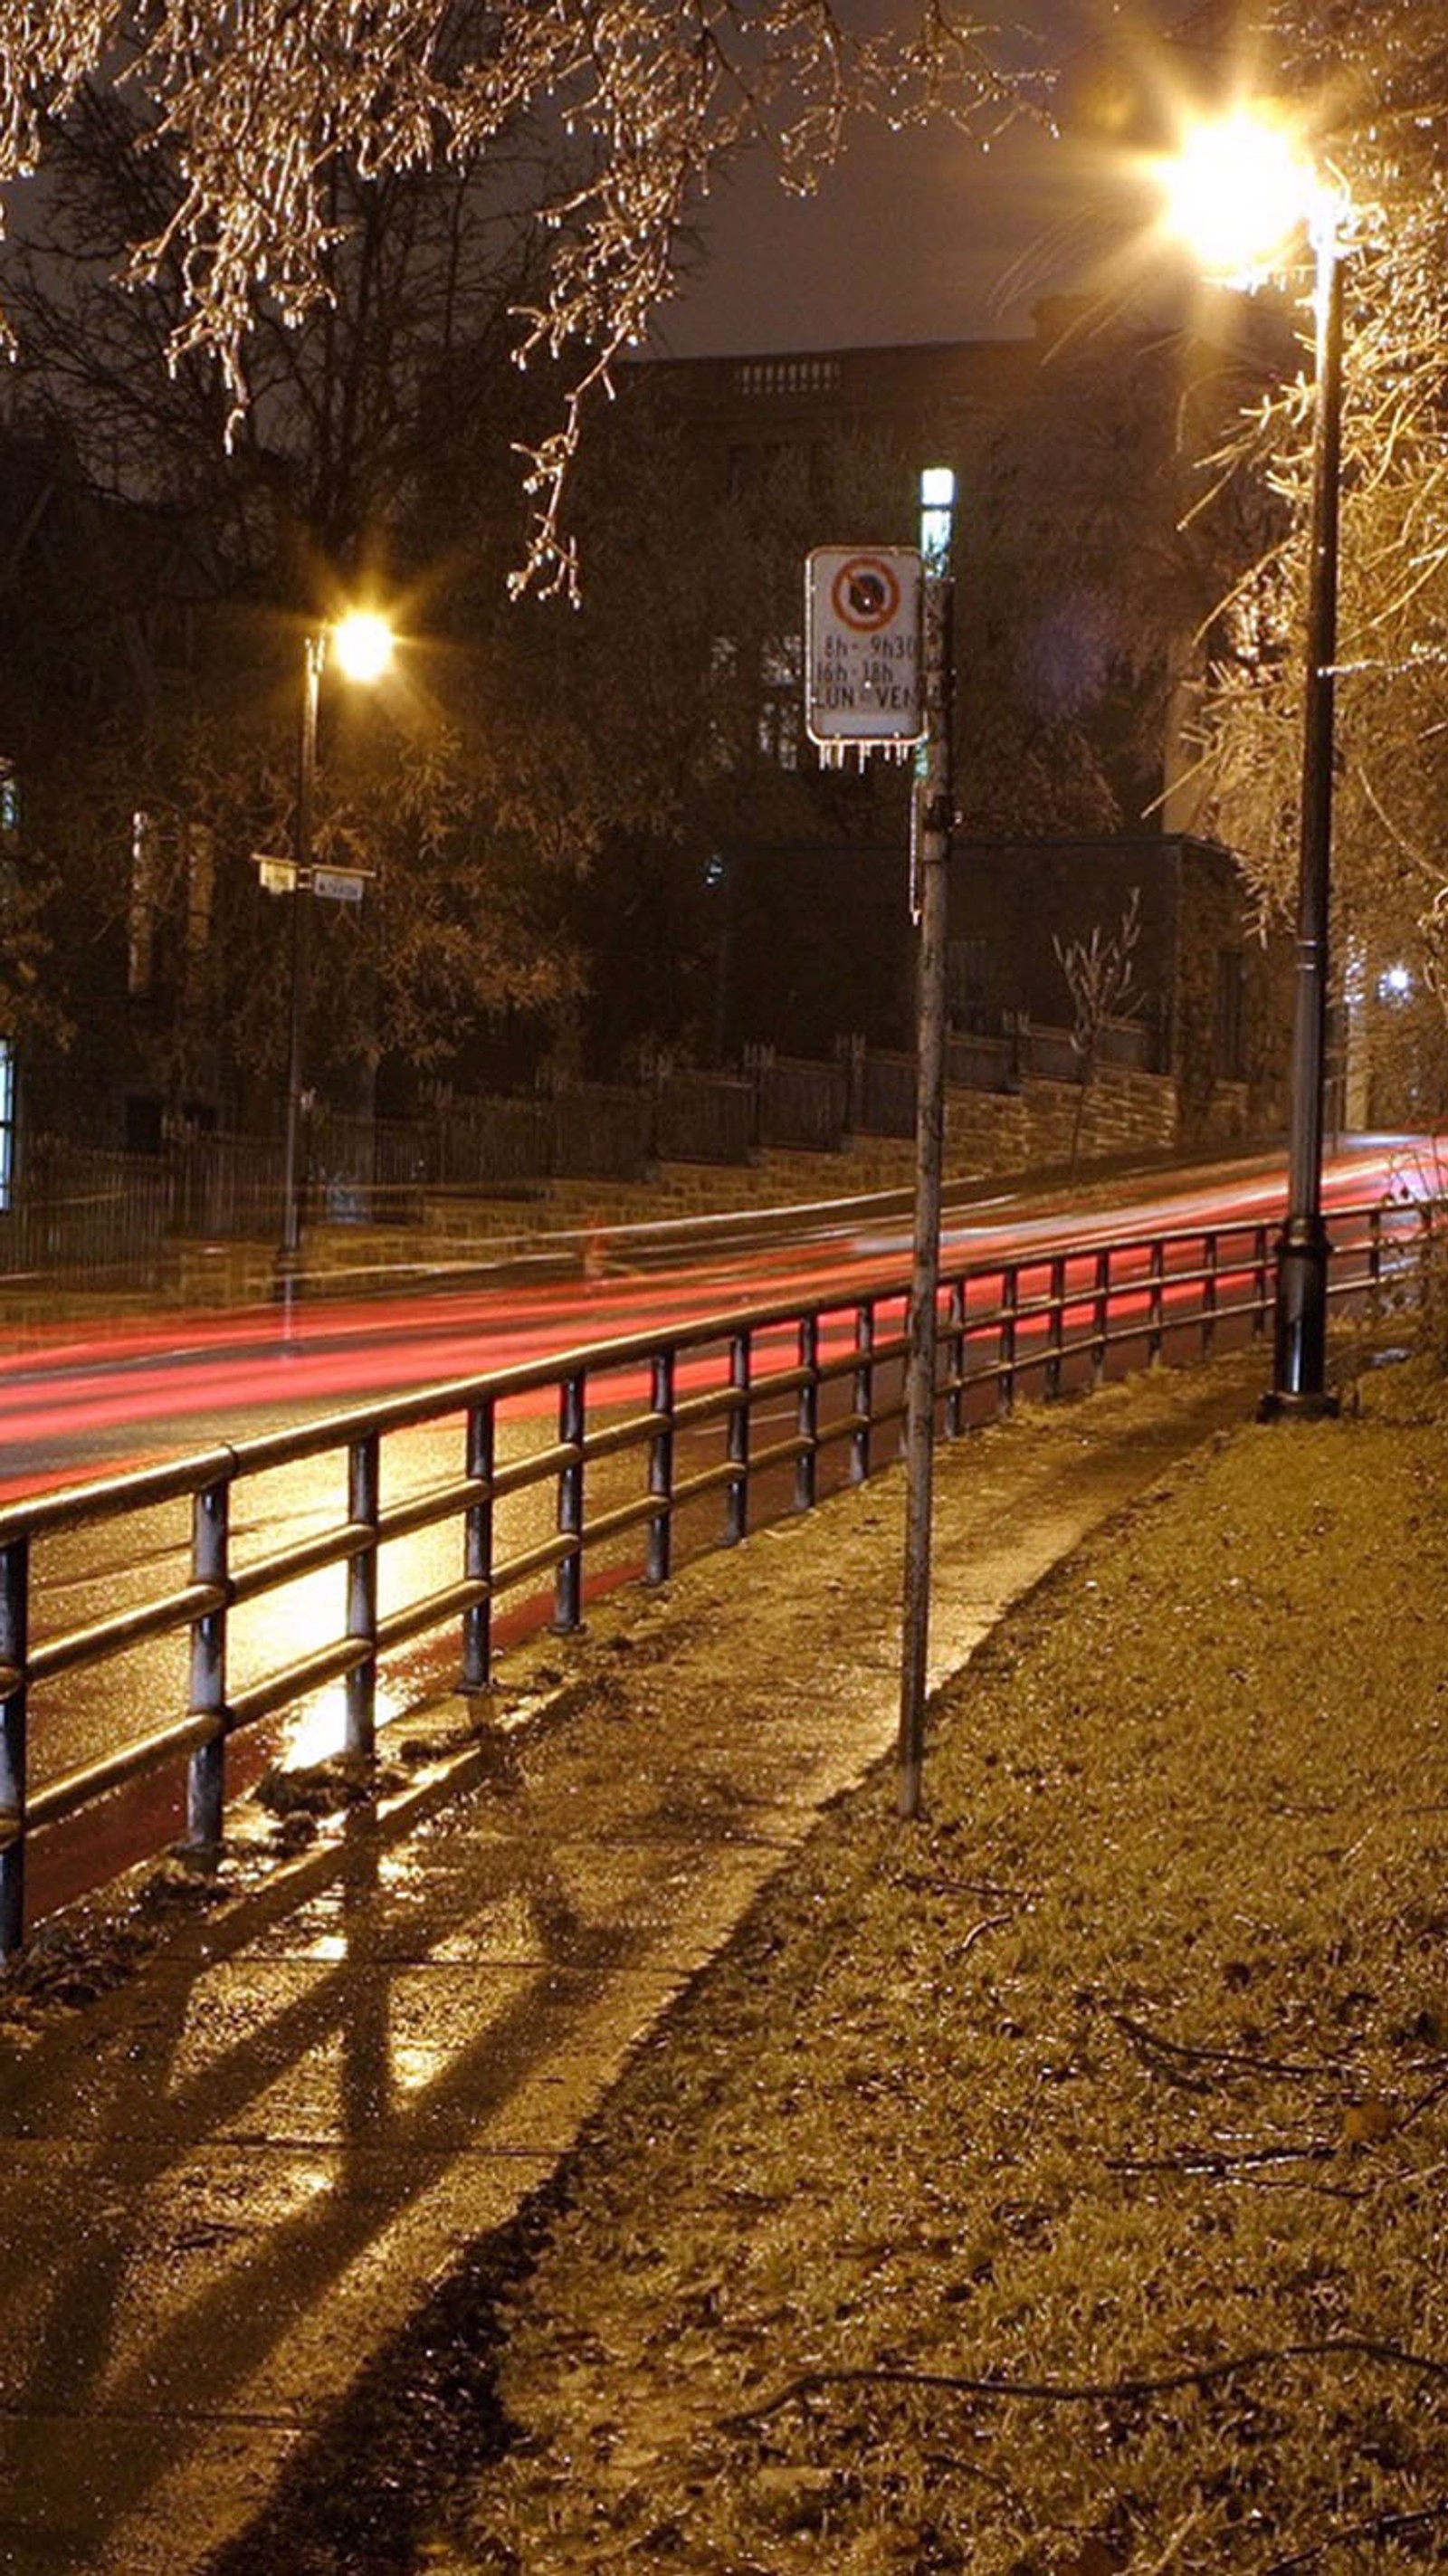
[
  {"x": 660, "y": 1556},
  {"x": 955, "y": 1399},
  {"x": 363, "y": 1506},
  {"x": 1006, "y": 1351},
  {"x": 807, "y": 1414},
  {"x": 1156, "y": 1306},
  {"x": 568, "y": 1585},
  {"x": 1101, "y": 1316},
  {"x": 1261, "y": 1295},
  {"x": 862, "y": 1391},
  {"x": 206, "y": 1771},
  {"x": 1375, "y": 1263},
  {"x": 477, "y": 1673},
  {"x": 1056, "y": 1327},
  {"x": 736, "y": 1517},
  {"x": 14, "y": 1654},
  {"x": 1212, "y": 1264}
]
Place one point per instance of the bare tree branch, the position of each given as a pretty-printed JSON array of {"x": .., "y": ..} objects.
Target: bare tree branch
[{"x": 257, "y": 107}]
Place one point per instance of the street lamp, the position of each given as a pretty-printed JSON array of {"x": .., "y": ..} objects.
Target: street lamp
[
  {"x": 360, "y": 644},
  {"x": 1237, "y": 190}
]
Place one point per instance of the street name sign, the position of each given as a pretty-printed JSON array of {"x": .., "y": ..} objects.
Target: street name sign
[
  {"x": 334, "y": 885},
  {"x": 340, "y": 885},
  {"x": 864, "y": 666}
]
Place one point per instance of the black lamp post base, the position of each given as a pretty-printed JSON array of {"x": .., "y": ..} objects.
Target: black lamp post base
[
  {"x": 1314, "y": 1405},
  {"x": 1299, "y": 1359}
]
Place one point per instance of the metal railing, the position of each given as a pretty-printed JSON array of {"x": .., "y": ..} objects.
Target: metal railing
[{"x": 638, "y": 1436}]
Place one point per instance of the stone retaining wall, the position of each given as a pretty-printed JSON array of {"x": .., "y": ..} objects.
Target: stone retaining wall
[{"x": 986, "y": 1134}]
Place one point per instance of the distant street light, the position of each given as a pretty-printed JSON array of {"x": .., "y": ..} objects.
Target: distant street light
[
  {"x": 361, "y": 646},
  {"x": 1236, "y": 193}
]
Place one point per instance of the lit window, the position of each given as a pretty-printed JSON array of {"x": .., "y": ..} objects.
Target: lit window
[
  {"x": 780, "y": 728},
  {"x": 782, "y": 662},
  {"x": 780, "y": 733},
  {"x": 7, "y": 1121},
  {"x": 144, "y": 905}
]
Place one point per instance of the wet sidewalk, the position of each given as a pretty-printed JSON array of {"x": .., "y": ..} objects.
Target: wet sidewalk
[{"x": 230, "y": 2184}]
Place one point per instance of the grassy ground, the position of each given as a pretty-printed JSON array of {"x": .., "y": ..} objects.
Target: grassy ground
[{"x": 1052, "y": 2188}]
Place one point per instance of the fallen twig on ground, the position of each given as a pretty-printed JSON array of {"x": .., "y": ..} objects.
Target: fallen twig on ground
[
  {"x": 1200, "y": 2053},
  {"x": 1203, "y": 2374},
  {"x": 1378, "y": 2526}
]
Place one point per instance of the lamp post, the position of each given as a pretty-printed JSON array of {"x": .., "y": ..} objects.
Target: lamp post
[
  {"x": 361, "y": 644},
  {"x": 1299, "y": 1351},
  {"x": 1239, "y": 184}
]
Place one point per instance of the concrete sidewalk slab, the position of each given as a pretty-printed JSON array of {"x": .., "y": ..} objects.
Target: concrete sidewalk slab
[{"x": 230, "y": 2183}]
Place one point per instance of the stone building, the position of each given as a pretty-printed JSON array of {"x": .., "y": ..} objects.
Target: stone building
[{"x": 1088, "y": 555}]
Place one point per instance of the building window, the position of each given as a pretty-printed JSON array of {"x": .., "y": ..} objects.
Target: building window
[
  {"x": 771, "y": 377},
  {"x": 781, "y": 685},
  {"x": 7, "y": 1122},
  {"x": 781, "y": 732},
  {"x": 145, "y": 905}
]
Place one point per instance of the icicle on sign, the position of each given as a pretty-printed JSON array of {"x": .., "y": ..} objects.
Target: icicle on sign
[{"x": 863, "y": 689}]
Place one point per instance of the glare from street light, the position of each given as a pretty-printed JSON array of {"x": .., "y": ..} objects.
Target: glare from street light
[
  {"x": 1236, "y": 190},
  {"x": 362, "y": 644}
]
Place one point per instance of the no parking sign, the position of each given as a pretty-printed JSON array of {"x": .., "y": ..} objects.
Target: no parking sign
[{"x": 863, "y": 662}]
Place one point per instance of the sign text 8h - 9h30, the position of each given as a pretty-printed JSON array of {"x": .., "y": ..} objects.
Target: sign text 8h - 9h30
[{"x": 864, "y": 666}]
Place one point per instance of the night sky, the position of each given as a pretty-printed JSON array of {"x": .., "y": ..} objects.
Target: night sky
[
  {"x": 914, "y": 237},
  {"x": 921, "y": 236}
]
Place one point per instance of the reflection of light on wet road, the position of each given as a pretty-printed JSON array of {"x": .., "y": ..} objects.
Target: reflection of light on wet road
[
  {"x": 318, "y": 1731},
  {"x": 83, "y": 1579},
  {"x": 148, "y": 1389},
  {"x": 88, "y": 1714}
]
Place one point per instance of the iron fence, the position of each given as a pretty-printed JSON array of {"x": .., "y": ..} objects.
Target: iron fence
[
  {"x": 1134, "y": 1044},
  {"x": 975, "y": 1062},
  {"x": 366, "y": 1171},
  {"x": 106, "y": 1215},
  {"x": 703, "y": 1118},
  {"x": 882, "y": 1093},
  {"x": 802, "y": 1106},
  {"x": 637, "y": 1435},
  {"x": 492, "y": 1145},
  {"x": 601, "y": 1132},
  {"x": 80, "y": 1207},
  {"x": 214, "y": 1185}
]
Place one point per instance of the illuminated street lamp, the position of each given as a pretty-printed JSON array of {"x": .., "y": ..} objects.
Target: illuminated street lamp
[
  {"x": 360, "y": 644},
  {"x": 1236, "y": 193}
]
